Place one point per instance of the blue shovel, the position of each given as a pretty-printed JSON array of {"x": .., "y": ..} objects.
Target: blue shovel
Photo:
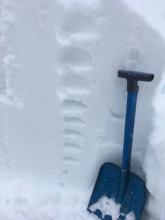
[{"x": 119, "y": 183}]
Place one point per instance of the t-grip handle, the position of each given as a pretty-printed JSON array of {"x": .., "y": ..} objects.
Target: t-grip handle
[{"x": 133, "y": 77}]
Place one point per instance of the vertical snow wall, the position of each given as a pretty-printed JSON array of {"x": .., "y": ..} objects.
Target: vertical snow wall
[{"x": 62, "y": 105}]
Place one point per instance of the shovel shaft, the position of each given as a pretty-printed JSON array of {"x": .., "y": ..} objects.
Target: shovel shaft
[
  {"x": 132, "y": 78},
  {"x": 129, "y": 129}
]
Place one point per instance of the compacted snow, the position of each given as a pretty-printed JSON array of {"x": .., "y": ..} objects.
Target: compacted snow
[{"x": 62, "y": 106}]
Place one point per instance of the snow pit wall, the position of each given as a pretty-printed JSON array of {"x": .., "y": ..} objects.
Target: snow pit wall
[
  {"x": 62, "y": 104},
  {"x": 154, "y": 158}
]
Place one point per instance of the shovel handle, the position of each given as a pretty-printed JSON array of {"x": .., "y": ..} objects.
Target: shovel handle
[{"x": 133, "y": 77}]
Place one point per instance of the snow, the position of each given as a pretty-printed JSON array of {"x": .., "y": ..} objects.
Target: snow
[
  {"x": 62, "y": 106},
  {"x": 152, "y": 11},
  {"x": 23, "y": 199},
  {"x": 130, "y": 216},
  {"x": 154, "y": 159},
  {"x": 109, "y": 207}
]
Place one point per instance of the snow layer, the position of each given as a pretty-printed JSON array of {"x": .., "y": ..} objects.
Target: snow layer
[
  {"x": 155, "y": 157},
  {"x": 62, "y": 107}
]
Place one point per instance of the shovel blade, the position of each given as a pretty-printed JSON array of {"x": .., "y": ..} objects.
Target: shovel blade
[{"x": 108, "y": 184}]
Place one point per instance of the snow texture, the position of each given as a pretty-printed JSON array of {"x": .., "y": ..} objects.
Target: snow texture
[
  {"x": 62, "y": 106},
  {"x": 155, "y": 157},
  {"x": 23, "y": 199},
  {"x": 109, "y": 207}
]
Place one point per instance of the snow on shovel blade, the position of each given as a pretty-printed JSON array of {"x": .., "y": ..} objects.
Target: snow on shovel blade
[{"x": 107, "y": 185}]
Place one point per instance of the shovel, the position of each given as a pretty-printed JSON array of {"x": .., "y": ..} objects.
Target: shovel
[{"x": 118, "y": 184}]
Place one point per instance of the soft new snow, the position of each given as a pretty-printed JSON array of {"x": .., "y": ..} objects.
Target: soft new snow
[
  {"x": 130, "y": 216},
  {"x": 109, "y": 207},
  {"x": 62, "y": 106},
  {"x": 22, "y": 199}
]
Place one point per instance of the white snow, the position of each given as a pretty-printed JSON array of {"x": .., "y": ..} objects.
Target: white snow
[
  {"x": 109, "y": 207},
  {"x": 23, "y": 199},
  {"x": 130, "y": 216},
  {"x": 153, "y": 13},
  {"x": 62, "y": 106},
  {"x": 155, "y": 157}
]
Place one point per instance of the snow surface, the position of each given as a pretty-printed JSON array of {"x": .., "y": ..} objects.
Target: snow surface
[
  {"x": 23, "y": 199},
  {"x": 62, "y": 106}
]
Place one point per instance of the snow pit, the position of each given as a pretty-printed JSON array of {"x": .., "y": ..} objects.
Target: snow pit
[{"x": 62, "y": 106}]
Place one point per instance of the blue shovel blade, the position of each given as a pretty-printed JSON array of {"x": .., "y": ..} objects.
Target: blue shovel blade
[{"x": 108, "y": 183}]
